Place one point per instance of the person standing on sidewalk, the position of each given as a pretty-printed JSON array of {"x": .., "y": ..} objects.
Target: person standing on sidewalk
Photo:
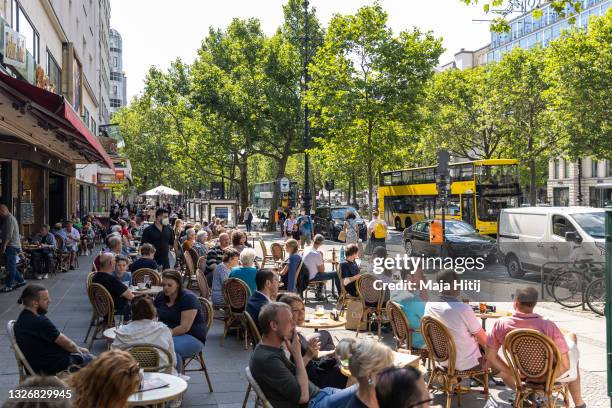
[
  {"x": 377, "y": 232},
  {"x": 11, "y": 246},
  {"x": 248, "y": 219},
  {"x": 161, "y": 236},
  {"x": 305, "y": 226}
]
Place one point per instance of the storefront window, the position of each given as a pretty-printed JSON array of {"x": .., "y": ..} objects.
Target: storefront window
[{"x": 55, "y": 73}]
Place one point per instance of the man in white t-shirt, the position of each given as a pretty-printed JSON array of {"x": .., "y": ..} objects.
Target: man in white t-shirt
[
  {"x": 461, "y": 321},
  {"x": 313, "y": 261}
]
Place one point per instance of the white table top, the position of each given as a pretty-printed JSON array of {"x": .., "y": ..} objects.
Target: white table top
[
  {"x": 176, "y": 387},
  {"x": 109, "y": 334}
]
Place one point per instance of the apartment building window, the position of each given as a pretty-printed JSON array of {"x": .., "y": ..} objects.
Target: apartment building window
[
  {"x": 594, "y": 165},
  {"x": 94, "y": 127},
  {"x": 114, "y": 89},
  {"x": 22, "y": 24},
  {"x": 566, "y": 168},
  {"x": 86, "y": 116},
  {"x": 54, "y": 72},
  {"x": 115, "y": 62},
  {"x": 556, "y": 169},
  {"x": 115, "y": 103},
  {"x": 608, "y": 169}
]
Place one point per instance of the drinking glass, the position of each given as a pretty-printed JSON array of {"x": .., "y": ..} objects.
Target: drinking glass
[
  {"x": 118, "y": 321},
  {"x": 482, "y": 307},
  {"x": 319, "y": 311},
  {"x": 147, "y": 281}
]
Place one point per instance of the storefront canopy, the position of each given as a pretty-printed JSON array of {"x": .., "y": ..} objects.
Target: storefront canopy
[
  {"x": 61, "y": 130},
  {"x": 161, "y": 190}
]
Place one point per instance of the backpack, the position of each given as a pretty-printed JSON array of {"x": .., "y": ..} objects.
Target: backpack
[{"x": 379, "y": 230}]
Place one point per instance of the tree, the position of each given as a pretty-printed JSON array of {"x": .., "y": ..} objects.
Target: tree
[
  {"x": 366, "y": 85},
  {"x": 579, "y": 70},
  {"x": 461, "y": 114}
]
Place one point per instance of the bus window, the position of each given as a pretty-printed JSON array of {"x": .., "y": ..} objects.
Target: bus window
[
  {"x": 490, "y": 207},
  {"x": 407, "y": 176},
  {"x": 396, "y": 178},
  {"x": 462, "y": 172},
  {"x": 496, "y": 175},
  {"x": 386, "y": 179}
]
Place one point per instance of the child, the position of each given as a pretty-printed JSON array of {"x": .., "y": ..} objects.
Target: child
[{"x": 121, "y": 270}]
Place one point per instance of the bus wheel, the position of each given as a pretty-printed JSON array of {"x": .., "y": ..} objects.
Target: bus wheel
[
  {"x": 408, "y": 247},
  {"x": 398, "y": 224},
  {"x": 514, "y": 267}
]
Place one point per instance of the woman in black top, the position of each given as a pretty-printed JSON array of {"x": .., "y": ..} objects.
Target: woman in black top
[{"x": 180, "y": 310}]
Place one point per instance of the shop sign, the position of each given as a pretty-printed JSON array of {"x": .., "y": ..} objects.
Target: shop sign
[
  {"x": 111, "y": 185},
  {"x": 119, "y": 174},
  {"x": 14, "y": 48}
]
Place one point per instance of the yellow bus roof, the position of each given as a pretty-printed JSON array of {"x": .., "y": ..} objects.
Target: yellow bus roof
[{"x": 490, "y": 162}]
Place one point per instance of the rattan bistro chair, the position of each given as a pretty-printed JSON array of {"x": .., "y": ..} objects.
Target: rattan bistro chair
[
  {"x": 207, "y": 314},
  {"x": 23, "y": 367},
  {"x": 441, "y": 348},
  {"x": 139, "y": 276},
  {"x": 255, "y": 339},
  {"x": 148, "y": 356},
  {"x": 236, "y": 294},
  {"x": 203, "y": 287},
  {"x": 104, "y": 310},
  {"x": 402, "y": 332},
  {"x": 261, "y": 397},
  {"x": 344, "y": 297},
  {"x": 533, "y": 359},
  {"x": 371, "y": 302}
]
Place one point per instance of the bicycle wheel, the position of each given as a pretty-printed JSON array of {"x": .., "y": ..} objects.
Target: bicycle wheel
[
  {"x": 567, "y": 289},
  {"x": 596, "y": 296},
  {"x": 550, "y": 278}
]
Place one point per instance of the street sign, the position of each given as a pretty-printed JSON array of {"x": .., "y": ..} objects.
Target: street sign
[{"x": 285, "y": 185}]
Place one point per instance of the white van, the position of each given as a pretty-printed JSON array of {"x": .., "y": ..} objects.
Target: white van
[{"x": 530, "y": 237}]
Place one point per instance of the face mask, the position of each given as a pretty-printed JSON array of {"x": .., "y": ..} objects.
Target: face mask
[{"x": 165, "y": 221}]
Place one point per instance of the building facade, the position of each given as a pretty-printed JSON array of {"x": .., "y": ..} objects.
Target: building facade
[
  {"x": 467, "y": 59},
  {"x": 583, "y": 182},
  {"x": 118, "y": 93}
]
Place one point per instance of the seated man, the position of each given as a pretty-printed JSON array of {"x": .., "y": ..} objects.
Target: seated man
[
  {"x": 200, "y": 243},
  {"x": 115, "y": 245},
  {"x": 121, "y": 270},
  {"x": 314, "y": 264},
  {"x": 42, "y": 258},
  {"x": 118, "y": 291},
  {"x": 215, "y": 256},
  {"x": 284, "y": 383},
  {"x": 146, "y": 260},
  {"x": 46, "y": 349},
  {"x": 461, "y": 321},
  {"x": 350, "y": 270},
  {"x": 524, "y": 318},
  {"x": 267, "y": 290},
  {"x": 72, "y": 239}
]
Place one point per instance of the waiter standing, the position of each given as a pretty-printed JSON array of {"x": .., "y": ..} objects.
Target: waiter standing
[{"x": 161, "y": 236}]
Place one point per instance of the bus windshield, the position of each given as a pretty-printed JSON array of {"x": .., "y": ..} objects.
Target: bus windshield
[
  {"x": 497, "y": 175},
  {"x": 490, "y": 207}
]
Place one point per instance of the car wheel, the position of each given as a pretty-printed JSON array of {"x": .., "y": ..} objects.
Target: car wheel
[
  {"x": 398, "y": 224},
  {"x": 407, "y": 223},
  {"x": 514, "y": 267},
  {"x": 408, "y": 247}
]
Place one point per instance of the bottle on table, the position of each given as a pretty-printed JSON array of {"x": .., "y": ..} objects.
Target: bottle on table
[{"x": 342, "y": 257}]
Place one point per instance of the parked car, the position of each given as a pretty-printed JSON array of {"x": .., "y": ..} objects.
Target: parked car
[
  {"x": 460, "y": 239},
  {"x": 531, "y": 237},
  {"x": 328, "y": 221}
]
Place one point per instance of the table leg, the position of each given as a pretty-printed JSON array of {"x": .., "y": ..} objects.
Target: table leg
[{"x": 484, "y": 323}]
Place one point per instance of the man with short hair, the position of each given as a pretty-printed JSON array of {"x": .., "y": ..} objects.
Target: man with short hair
[
  {"x": 118, "y": 291},
  {"x": 215, "y": 256},
  {"x": 267, "y": 290},
  {"x": 42, "y": 257},
  {"x": 200, "y": 243},
  {"x": 10, "y": 248},
  {"x": 147, "y": 253},
  {"x": 115, "y": 245},
  {"x": 46, "y": 349},
  {"x": 313, "y": 261},
  {"x": 285, "y": 383},
  {"x": 72, "y": 238},
  {"x": 305, "y": 225},
  {"x": 349, "y": 269},
  {"x": 248, "y": 219},
  {"x": 524, "y": 318},
  {"x": 161, "y": 236},
  {"x": 461, "y": 321}
]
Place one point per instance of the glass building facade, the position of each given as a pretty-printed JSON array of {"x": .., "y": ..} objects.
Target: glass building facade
[{"x": 526, "y": 31}]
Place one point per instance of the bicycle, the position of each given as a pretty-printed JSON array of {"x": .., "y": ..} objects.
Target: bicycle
[
  {"x": 569, "y": 287},
  {"x": 596, "y": 296}
]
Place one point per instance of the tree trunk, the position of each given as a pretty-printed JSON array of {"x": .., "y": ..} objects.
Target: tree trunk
[
  {"x": 532, "y": 182},
  {"x": 348, "y": 196},
  {"x": 370, "y": 183},
  {"x": 354, "y": 182},
  {"x": 244, "y": 187}
]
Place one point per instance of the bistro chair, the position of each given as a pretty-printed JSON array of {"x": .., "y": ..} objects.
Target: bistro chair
[
  {"x": 61, "y": 257},
  {"x": 23, "y": 367},
  {"x": 201, "y": 264},
  {"x": 442, "y": 349},
  {"x": 533, "y": 358},
  {"x": 139, "y": 276},
  {"x": 104, "y": 311},
  {"x": 344, "y": 297},
  {"x": 255, "y": 339},
  {"x": 402, "y": 332},
  {"x": 148, "y": 356},
  {"x": 261, "y": 399},
  {"x": 236, "y": 294},
  {"x": 264, "y": 251},
  {"x": 189, "y": 271},
  {"x": 371, "y": 302},
  {"x": 203, "y": 287},
  {"x": 207, "y": 314},
  {"x": 92, "y": 321}
]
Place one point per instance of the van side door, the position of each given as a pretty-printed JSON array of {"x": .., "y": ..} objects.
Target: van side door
[{"x": 559, "y": 250}]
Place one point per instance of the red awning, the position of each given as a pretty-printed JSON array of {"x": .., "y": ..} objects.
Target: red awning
[{"x": 57, "y": 110}]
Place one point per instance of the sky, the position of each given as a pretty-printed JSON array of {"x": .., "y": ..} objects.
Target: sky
[{"x": 156, "y": 32}]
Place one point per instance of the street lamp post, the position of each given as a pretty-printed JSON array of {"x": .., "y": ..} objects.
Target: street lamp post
[{"x": 306, "y": 196}]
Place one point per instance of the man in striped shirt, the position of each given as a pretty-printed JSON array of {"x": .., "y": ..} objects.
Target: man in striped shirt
[{"x": 215, "y": 256}]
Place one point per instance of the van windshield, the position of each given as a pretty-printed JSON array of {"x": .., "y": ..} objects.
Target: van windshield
[{"x": 591, "y": 223}]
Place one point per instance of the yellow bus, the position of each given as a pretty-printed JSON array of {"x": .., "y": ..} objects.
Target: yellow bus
[{"x": 478, "y": 191}]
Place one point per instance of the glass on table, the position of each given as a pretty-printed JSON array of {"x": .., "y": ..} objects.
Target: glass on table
[
  {"x": 118, "y": 321},
  {"x": 319, "y": 311},
  {"x": 147, "y": 281}
]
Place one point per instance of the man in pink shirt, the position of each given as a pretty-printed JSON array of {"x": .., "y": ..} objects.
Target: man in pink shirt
[{"x": 524, "y": 318}]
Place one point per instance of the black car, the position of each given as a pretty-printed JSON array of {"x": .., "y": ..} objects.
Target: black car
[
  {"x": 328, "y": 221},
  {"x": 461, "y": 239}
]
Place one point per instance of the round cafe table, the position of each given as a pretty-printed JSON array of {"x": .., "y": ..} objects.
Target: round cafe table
[
  {"x": 152, "y": 291},
  {"x": 157, "y": 397},
  {"x": 324, "y": 322},
  {"x": 491, "y": 315}
]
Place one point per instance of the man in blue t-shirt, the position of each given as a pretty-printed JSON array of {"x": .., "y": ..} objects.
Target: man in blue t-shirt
[
  {"x": 305, "y": 223},
  {"x": 46, "y": 349}
]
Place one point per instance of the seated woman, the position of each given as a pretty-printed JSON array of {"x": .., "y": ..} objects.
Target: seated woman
[
  {"x": 366, "y": 359},
  {"x": 239, "y": 240},
  {"x": 230, "y": 260},
  {"x": 402, "y": 387},
  {"x": 322, "y": 367},
  {"x": 144, "y": 328},
  {"x": 180, "y": 310},
  {"x": 413, "y": 303},
  {"x": 293, "y": 263},
  {"x": 88, "y": 235},
  {"x": 247, "y": 271}
]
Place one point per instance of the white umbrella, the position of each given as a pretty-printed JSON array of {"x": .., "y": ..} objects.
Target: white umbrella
[{"x": 161, "y": 190}]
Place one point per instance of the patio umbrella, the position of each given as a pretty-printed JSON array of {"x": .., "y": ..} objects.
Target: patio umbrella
[{"x": 161, "y": 190}]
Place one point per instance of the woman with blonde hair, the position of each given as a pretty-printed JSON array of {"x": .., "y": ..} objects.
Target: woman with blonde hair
[
  {"x": 366, "y": 359},
  {"x": 108, "y": 381}
]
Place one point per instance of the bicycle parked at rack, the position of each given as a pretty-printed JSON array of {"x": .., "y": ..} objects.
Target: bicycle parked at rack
[{"x": 577, "y": 283}]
